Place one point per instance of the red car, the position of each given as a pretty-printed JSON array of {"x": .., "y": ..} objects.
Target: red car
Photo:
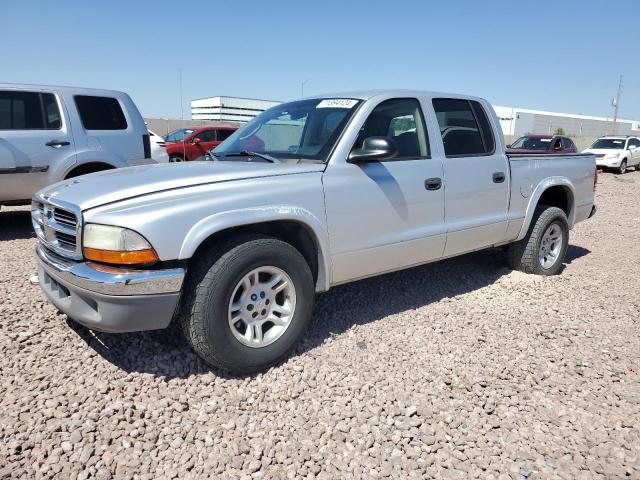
[
  {"x": 544, "y": 144},
  {"x": 187, "y": 144}
]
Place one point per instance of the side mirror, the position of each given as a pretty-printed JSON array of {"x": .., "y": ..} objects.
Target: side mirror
[
  {"x": 509, "y": 146},
  {"x": 374, "y": 148}
]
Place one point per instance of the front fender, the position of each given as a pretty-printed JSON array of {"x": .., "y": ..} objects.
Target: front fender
[
  {"x": 248, "y": 216},
  {"x": 535, "y": 198}
]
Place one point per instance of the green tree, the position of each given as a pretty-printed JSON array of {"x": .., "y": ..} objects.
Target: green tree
[{"x": 559, "y": 131}]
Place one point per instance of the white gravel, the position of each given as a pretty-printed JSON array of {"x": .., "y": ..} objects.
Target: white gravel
[{"x": 459, "y": 369}]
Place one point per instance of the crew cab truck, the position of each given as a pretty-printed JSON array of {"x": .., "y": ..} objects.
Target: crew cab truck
[
  {"x": 51, "y": 133},
  {"x": 346, "y": 186}
]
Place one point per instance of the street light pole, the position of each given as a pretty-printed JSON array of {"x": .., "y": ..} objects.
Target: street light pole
[
  {"x": 616, "y": 105},
  {"x": 302, "y": 88}
]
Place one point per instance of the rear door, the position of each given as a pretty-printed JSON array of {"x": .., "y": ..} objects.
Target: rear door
[
  {"x": 110, "y": 133},
  {"x": 476, "y": 176},
  {"x": 35, "y": 142}
]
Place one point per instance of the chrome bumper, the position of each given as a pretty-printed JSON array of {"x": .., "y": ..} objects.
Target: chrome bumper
[
  {"x": 110, "y": 299},
  {"x": 110, "y": 280}
]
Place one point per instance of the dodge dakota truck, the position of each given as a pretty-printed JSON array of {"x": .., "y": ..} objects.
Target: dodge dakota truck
[{"x": 308, "y": 195}]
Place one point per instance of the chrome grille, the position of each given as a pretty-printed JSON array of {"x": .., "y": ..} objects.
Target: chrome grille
[
  {"x": 64, "y": 217},
  {"x": 58, "y": 226}
]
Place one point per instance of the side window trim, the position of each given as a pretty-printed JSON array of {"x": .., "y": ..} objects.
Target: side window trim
[
  {"x": 43, "y": 113},
  {"x": 480, "y": 129},
  {"x": 425, "y": 130},
  {"x": 483, "y": 154}
]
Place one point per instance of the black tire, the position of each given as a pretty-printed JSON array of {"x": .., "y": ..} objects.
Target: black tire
[
  {"x": 623, "y": 167},
  {"x": 208, "y": 290},
  {"x": 523, "y": 255},
  {"x": 638, "y": 167},
  {"x": 176, "y": 159}
]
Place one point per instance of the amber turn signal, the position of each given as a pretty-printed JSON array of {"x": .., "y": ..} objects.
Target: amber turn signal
[{"x": 134, "y": 257}]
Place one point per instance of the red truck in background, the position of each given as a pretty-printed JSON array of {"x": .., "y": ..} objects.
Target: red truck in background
[
  {"x": 187, "y": 144},
  {"x": 544, "y": 144}
]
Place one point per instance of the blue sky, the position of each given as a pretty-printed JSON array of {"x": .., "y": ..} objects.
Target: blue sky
[{"x": 553, "y": 55}]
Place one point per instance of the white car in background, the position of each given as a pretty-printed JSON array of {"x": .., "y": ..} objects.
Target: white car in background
[
  {"x": 158, "y": 148},
  {"x": 616, "y": 152}
]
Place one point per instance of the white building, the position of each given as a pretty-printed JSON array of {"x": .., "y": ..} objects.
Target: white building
[
  {"x": 229, "y": 109},
  {"x": 520, "y": 121}
]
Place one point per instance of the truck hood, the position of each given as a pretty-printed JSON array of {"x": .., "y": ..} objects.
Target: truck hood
[{"x": 110, "y": 186}]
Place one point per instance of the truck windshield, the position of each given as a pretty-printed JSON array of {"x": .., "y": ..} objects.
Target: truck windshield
[
  {"x": 615, "y": 143},
  {"x": 294, "y": 131},
  {"x": 532, "y": 143}
]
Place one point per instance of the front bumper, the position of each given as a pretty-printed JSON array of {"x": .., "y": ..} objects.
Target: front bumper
[
  {"x": 609, "y": 162},
  {"x": 110, "y": 299}
]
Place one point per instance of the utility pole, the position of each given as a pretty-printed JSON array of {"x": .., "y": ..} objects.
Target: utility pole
[
  {"x": 302, "y": 88},
  {"x": 616, "y": 105},
  {"x": 181, "y": 101}
]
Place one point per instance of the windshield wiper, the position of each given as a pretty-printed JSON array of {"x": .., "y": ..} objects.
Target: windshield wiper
[{"x": 247, "y": 153}]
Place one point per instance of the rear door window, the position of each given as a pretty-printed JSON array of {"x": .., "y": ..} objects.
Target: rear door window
[
  {"x": 100, "y": 113},
  {"x": 464, "y": 127},
  {"x": 567, "y": 143},
  {"x": 223, "y": 134},
  {"x": 29, "y": 111}
]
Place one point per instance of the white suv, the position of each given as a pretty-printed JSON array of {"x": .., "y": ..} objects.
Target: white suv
[
  {"x": 48, "y": 134},
  {"x": 617, "y": 152}
]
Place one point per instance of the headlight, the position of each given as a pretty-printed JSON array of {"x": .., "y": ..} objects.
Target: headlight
[
  {"x": 116, "y": 245},
  {"x": 612, "y": 155}
]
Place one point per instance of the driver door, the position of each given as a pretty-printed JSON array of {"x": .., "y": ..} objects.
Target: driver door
[{"x": 389, "y": 214}]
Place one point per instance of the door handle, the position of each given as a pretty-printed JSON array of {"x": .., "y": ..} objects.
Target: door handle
[
  {"x": 498, "y": 177},
  {"x": 433, "y": 183},
  {"x": 57, "y": 143}
]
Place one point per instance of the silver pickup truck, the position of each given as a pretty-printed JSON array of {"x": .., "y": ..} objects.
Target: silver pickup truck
[{"x": 308, "y": 195}]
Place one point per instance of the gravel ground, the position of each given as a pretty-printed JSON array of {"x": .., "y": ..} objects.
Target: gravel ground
[{"x": 459, "y": 369}]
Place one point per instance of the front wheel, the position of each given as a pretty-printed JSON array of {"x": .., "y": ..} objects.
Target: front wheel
[
  {"x": 175, "y": 159},
  {"x": 247, "y": 303},
  {"x": 543, "y": 250},
  {"x": 623, "y": 167}
]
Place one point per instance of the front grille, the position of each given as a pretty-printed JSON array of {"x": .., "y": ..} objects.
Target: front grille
[
  {"x": 64, "y": 217},
  {"x": 58, "y": 226},
  {"x": 66, "y": 240}
]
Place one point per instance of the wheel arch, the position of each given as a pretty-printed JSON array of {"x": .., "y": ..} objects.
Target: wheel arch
[
  {"x": 87, "y": 167},
  {"x": 554, "y": 192},
  {"x": 295, "y": 226}
]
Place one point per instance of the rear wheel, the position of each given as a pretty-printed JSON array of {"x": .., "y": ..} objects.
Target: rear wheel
[
  {"x": 247, "y": 303},
  {"x": 543, "y": 250},
  {"x": 623, "y": 167},
  {"x": 176, "y": 158}
]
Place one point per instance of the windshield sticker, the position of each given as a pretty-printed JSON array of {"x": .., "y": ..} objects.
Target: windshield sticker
[
  {"x": 337, "y": 103},
  {"x": 619, "y": 142},
  {"x": 545, "y": 139}
]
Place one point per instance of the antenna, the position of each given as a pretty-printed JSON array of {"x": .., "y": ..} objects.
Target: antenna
[{"x": 616, "y": 104}]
